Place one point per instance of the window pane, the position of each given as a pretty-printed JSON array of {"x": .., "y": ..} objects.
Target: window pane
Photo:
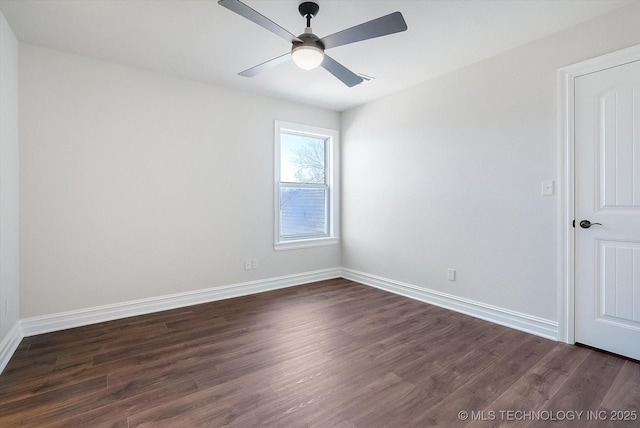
[
  {"x": 302, "y": 159},
  {"x": 303, "y": 212}
]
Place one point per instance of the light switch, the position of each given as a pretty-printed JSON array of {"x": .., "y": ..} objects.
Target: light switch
[{"x": 547, "y": 188}]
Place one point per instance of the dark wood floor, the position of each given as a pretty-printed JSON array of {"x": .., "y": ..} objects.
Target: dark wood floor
[{"x": 328, "y": 354}]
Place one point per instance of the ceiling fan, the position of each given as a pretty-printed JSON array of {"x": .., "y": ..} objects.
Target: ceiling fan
[{"x": 307, "y": 49}]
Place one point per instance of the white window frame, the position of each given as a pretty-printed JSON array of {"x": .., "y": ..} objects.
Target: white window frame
[{"x": 332, "y": 181}]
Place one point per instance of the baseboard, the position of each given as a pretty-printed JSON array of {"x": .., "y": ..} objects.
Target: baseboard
[
  {"x": 60, "y": 321},
  {"x": 9, "y": 345},
  {"x": 81, "y": 317},
  {"x": 519, "y": 321}
]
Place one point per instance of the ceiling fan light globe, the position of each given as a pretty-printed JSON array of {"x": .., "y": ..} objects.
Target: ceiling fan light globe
[{"x": 307, "y": 57}]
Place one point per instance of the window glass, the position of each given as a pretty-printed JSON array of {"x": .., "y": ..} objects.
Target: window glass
[
  {"x": 302, "y": 159},
  {"x": 306, "y": 186},
  {"x": 303, "y": 212}
]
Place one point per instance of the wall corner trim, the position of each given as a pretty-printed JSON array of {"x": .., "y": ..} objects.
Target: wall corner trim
[
  {"x": 508, "y": 318},
  {"x": 9, "y": 345}
]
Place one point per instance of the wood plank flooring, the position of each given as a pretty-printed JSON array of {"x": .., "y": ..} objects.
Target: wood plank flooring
[{"x": 328, "y": 354}]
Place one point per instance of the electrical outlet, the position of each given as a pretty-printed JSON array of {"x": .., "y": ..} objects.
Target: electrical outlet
[
  {"x": 247, "y": 264},
  {"x": 255, "y": 264},
  {"x": 451, "y": 274}
]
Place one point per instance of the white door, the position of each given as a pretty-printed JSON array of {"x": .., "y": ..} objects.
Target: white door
[{"x": 607, "y": 191}]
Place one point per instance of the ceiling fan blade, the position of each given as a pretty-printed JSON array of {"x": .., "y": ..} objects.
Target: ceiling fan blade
[
  {"x": 250, "y": 72},
  {"x": 347, "y": 76},
  {"x": 388, "y": 24},
  {"x": 254, "y": 16}
]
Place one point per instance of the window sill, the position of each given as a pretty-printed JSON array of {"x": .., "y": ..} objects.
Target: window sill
[{"x": 305, "y": 243}]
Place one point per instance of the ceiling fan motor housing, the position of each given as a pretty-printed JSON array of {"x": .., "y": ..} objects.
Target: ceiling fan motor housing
[{"x": 308, "y": 39}]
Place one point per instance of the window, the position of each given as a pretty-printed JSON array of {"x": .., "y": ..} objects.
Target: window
[{"x": 306, "y": 195}]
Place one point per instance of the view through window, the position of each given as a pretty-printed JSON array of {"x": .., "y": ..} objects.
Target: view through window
[
  {"x": 304, "y": 183},
  {"x": 303, "y": 187}
]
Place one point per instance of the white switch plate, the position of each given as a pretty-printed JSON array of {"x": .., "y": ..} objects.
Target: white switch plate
[
  {"x": 247, "y": 264},
  {"x": 451, "y": 274},
  {"x": 547, "y": 187}
]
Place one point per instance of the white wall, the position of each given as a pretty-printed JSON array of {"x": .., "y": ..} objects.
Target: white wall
[
  {"x": 448, "y": 174},
  {"x": 9, "y": 200},
  {"x": 135, "y": 184}
]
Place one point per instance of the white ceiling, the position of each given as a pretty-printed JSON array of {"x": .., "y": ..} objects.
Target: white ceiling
[{"x": 200, "y": 40}]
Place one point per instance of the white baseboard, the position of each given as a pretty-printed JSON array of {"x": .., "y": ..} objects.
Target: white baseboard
[
  {"x": 9, "y": 345},
  {"x": 64, "y": 320},
  {"x": 519, "y": 321},
  {"x": 77, "y": 318}
]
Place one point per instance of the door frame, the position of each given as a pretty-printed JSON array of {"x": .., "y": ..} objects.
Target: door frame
[{"x": 566, "y": 101}]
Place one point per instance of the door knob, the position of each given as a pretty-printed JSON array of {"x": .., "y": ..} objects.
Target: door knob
[{"x": 586, "y": 224}]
